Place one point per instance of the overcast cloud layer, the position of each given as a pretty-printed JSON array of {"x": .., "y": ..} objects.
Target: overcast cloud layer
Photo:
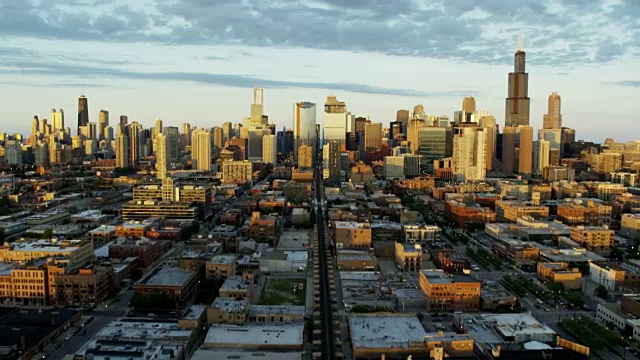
[{"x": 146, "y": 42}]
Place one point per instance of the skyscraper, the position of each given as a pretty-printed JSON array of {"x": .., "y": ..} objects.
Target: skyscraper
[
  {"x": 540, "y": 156},
  {"x": 57, "y": 120},
  {"x": 133, "y": 134},
  {"x": 553, "y": 118},
  {"x": 103, "y": 122},
  {"x": 201, "y": 150},
  {"x": 373, "y": 136},
  {"x": 413, "y": 129},
  {"x": 269, "y": 150},
  {"x": 469, "y": 104},
  {"x": 518, "y": 102},
  {"x": 227, "y": 132},
  {"x": 83, "y": 112},
  {"x": 525, "y": 149},
  {"x": 257, "y": 107},
  {"x": 173, "y": 152},
  {"x": 402, "y": 116},
  {"x": 285, "y": 142},
  {"x": 35, "y": 125},
  {"x": 186, "y": 134},
  {"x": 509, "y": 149},
  {"x": 335, "y": 120},
  {"x": 489, "y": 124},
  {"x": 418, "y": 111},
  {"x": 122, "y": 150},
  {"x": 434, "y": 143},
  {"x": 304, "y": 125},
  {"x": 469, "y": 152},
  {"x": 161, "y": 156},
  {"x": 331, "y": 159},
  {"x": 218, "y": 137}
]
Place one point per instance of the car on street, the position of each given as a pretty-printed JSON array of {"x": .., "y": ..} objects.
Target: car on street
[{"x": 547, "y": 310}]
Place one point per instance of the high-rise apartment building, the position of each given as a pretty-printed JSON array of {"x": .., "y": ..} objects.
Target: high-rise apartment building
[
  {"x": 122, "y": 150},
  {"x": 553, "y": 118},
  {"x": 161, "y": 156},
  {"x": 269, "y": 149},
  {"x": 201, "y": 150},
  {"x": 134, "y": 137},
  {"x": 518, "y": 102},
  {"x": 218, "y": 137},
  {"x": 57, "y": 120},
  {"x": 103, "y": 122},
  {"x": 469, "y": 152},
  {"x": 488, "y": 122},
  {"x": 237, "y": 171},
  {"x": 13, "y": 152},
  {"x": 304, "y": 125},
  {"x": 173, "y": 150},
  {"x": 373, "y": 136},
  {"x": 83, "y": 112}
]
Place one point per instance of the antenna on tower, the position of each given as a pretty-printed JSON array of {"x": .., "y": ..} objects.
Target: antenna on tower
[{"x": 521, "y": 42}]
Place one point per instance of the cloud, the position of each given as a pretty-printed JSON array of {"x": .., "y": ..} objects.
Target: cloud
[
  {"x": 630, "y": 83},
  {"x": 231, "y": 80},
  {"x": 434, "y": 29}
]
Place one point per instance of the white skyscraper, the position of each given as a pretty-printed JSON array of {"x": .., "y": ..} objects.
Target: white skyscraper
[
  {"x": 161, "y": 156},
  {"x": 304, "y": 125},
  {"x": 269, "y": 149},
  {"x": 469, "y": 153},
  {"x": 541, "y": 150},
  {"x": 201, "y": 150},
  {"x": 336, "y": 120}
]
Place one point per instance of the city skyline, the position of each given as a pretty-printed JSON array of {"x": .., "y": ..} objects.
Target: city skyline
[{"x": 407, "y": 72}]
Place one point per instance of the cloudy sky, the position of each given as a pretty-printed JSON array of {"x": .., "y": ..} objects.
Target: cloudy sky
[{"x": 197, "y": 60}]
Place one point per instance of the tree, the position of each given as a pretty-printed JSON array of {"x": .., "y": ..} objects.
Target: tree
[{"x": 602, "y": 292}]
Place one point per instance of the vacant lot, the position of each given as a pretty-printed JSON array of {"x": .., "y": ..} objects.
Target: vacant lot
[{"x": 280, "y": 292}]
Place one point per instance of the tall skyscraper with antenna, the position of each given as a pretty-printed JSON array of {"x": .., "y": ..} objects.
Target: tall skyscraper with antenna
[
  {"x": 83, "y": 112},
  {"x": 518, "y": 102}
]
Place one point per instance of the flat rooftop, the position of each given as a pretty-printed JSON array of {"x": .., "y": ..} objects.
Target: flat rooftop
[
  {"x": 168, "y": 276},
  {"x": 351, "y": 225},
  {"x": 234, "y": 283},
  {"x": 276, "y": 309},
  {"x": 232, "y": 354},
  {"x": 45, "y": 245},
  {"x": 230, "y": 305},
  {"x": 223, "y": 259},
  {"x": 386, "y": 331},
  {"x": 255, "y": 335}
]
